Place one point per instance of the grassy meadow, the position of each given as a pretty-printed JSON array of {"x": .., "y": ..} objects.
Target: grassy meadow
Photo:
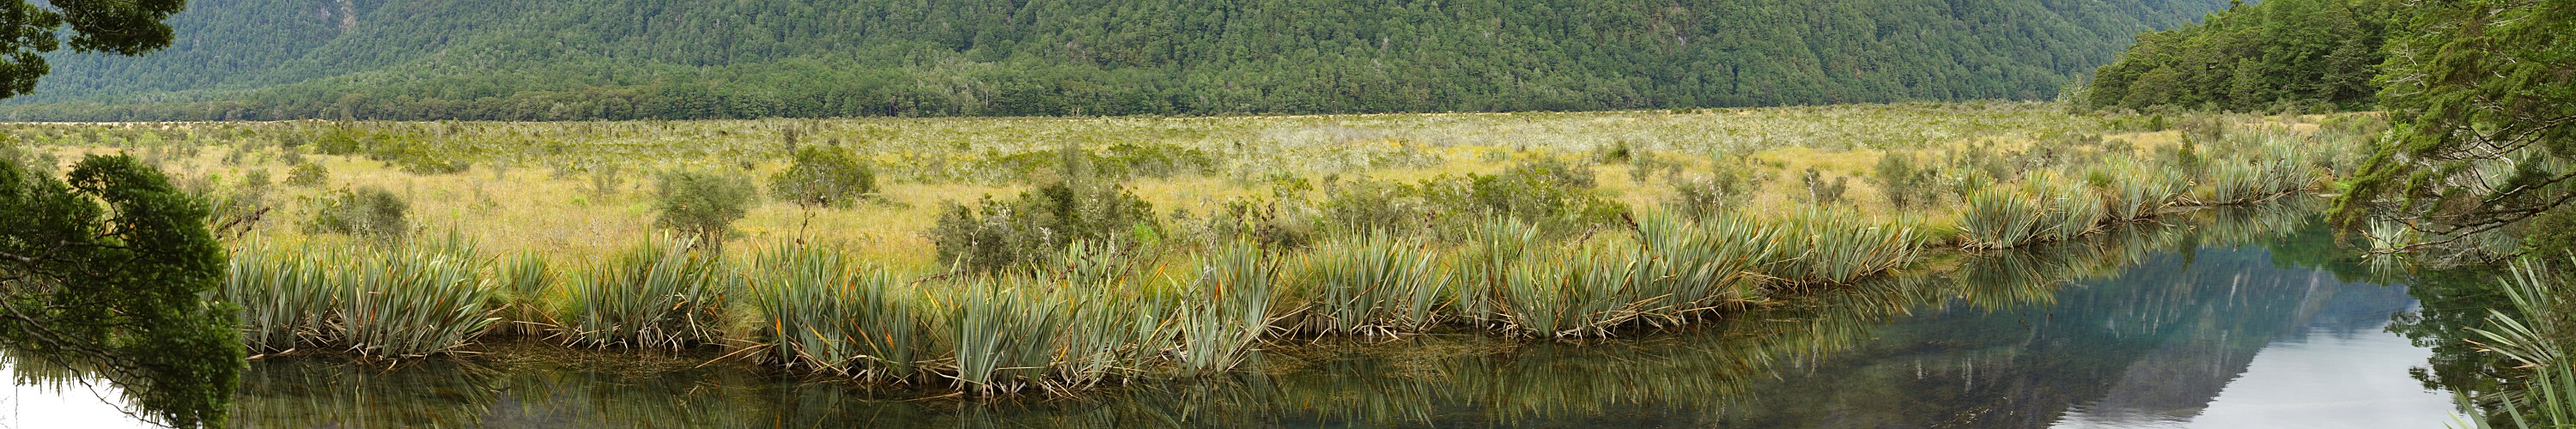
[{"x": 1119, "y": 249}]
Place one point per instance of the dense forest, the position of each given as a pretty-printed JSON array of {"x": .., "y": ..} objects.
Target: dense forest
[
  {"x": 2312, "y": 54},
  {"x": 637, "y": 59}
]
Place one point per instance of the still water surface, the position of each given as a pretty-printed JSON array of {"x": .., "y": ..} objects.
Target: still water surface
[{"x": 2159, "y": 328}]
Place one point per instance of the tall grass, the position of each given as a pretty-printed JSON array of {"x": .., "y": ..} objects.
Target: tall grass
[
  {"x": 2536, "y": 338},
  {"x": 2133, "y": 190},
  {"x": 2042, "y": 210},
  {"x": 1686, "y": 268},
  {"x": 830, "y": 314},
  {"x": 1374, "y": 284},
  {"x": 652, "y": 295},
  {"x": 413, "y": 301},
  {"x": 1581, "y": 291},
  {"x": 525, "y": 282},
  {"x": 1226, "y": 308},
  {"x": 405, "y": 301},
  {"x": 1835, "y": 246}
]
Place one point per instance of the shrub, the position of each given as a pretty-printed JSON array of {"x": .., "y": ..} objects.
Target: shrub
[
  {"x": 993, "y": 235},
  {"x": 308, "y": 175},
  {"x": 371, "y": 212},
  {"x": 1824, "y": 192},
  {"x": 1906, "y": 182},
  {"x": 1556, "y": 195},
  {"x": 703, "y": 205},
  {"x": 824, "y": 176},
  {"x": 1725, "y": 188},
  {"x": 605, "y": 180},
  {"x": 2551, "y": 234}
]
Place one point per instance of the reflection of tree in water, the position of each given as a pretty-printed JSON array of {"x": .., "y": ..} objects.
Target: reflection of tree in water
[{"x": 1998, "y": 340}]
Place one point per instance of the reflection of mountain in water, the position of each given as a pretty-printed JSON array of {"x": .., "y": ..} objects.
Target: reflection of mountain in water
[{"x": 2156, "y": 343}]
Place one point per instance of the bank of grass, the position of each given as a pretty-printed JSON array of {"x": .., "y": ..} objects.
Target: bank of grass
[{"x": 1371, "y": 225}]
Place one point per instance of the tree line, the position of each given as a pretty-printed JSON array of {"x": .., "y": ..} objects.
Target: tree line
[{"x": 670, "y": 59}]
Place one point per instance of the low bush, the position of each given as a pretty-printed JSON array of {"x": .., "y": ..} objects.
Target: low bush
[
  {"x": 992, "y": 235},
  {"x": 1907, "y": 182},
  {"x": 310, "y": 174},
  {"x": 371, "y": 213},
  {"x": 1729, "y": 183},
  {"x": 1824, "y": 192},
  {"x": 703, "y": 205},
  {"x": 824, "y": 176}
]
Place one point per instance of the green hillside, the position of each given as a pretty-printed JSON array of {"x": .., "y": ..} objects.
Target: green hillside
[{"x": 628, "y": 59}]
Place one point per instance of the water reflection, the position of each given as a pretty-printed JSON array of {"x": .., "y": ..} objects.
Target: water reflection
[{"x": 2232, "y": 318}]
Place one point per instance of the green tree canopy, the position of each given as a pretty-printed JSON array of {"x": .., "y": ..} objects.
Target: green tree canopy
[
  {"x": 124, "y": 27},
  {"x": 2482, "y": 97},
  {"x": 107, "y": 271},
  {"x": 2253, "y": 57}
]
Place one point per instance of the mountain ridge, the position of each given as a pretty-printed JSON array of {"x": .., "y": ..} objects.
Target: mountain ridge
[{"x": 669, "y": 59}]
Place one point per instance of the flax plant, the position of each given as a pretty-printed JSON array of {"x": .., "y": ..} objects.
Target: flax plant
[
  {"x": 1225, "y": 309},
  {"x": 1835, "y": 246},
  {"x": 1374, "y": 284},
  {"x": 648, "y": 296}
]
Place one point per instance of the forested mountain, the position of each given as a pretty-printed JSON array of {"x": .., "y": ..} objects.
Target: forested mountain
[
  {"x": 624, "y": 59},
  {"x": 2256, "y": 57}
]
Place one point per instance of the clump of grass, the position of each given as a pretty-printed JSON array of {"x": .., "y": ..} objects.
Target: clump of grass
[
  {"x": 287, "y": 297},
  {"x": 525, "y": 281},
  {"x": 1834, "y": 246},
  {"x": 393, "y": 302},
  {"x": 417, "y": 301},
  {"x": 1581, "y": 292},
  {"x": 1225, "y": 308},
  {"x": 2133, "y": 190},
  {"x": 1483, "y": 266},
  {"x": 652, "y": 295},
  {"x": 828, "y": 313},
  {"x": 1687, "y": 267},
  {"x": 1006, "y": 332},
  {"x": 2038, "y": 212},
  {"x": 1373, "y": 284}
]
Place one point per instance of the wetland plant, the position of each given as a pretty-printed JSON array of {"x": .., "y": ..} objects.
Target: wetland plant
[{"x": 656, "y": 294}]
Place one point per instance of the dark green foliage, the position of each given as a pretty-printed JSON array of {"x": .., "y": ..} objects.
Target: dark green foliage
[
  {"x": 824, "y": 176},
  {"x": 1556, "y": 195},
  {"x": 1078, "y": 205},
  {"x": 410, "y": 59},
  {"x": 371, "y": 213},
  {"x": 2275, "y": 55},
  {"x": 2478, "y": 90},
  {"x": 703, "y": 205},
  {"x": 2552, "y": 233},
  {"x": 310, "y": 174},
  {"x": 993, "y": 235},
  {"x": 28, "y": 31},
  {"x": 117, "y": 289}
]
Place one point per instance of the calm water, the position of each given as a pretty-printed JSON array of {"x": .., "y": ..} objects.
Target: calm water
[{"x": 2221, "y": 325}]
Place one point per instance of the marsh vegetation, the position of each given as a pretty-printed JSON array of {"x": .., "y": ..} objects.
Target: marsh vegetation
[{"x": 1002, "y": 256}]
